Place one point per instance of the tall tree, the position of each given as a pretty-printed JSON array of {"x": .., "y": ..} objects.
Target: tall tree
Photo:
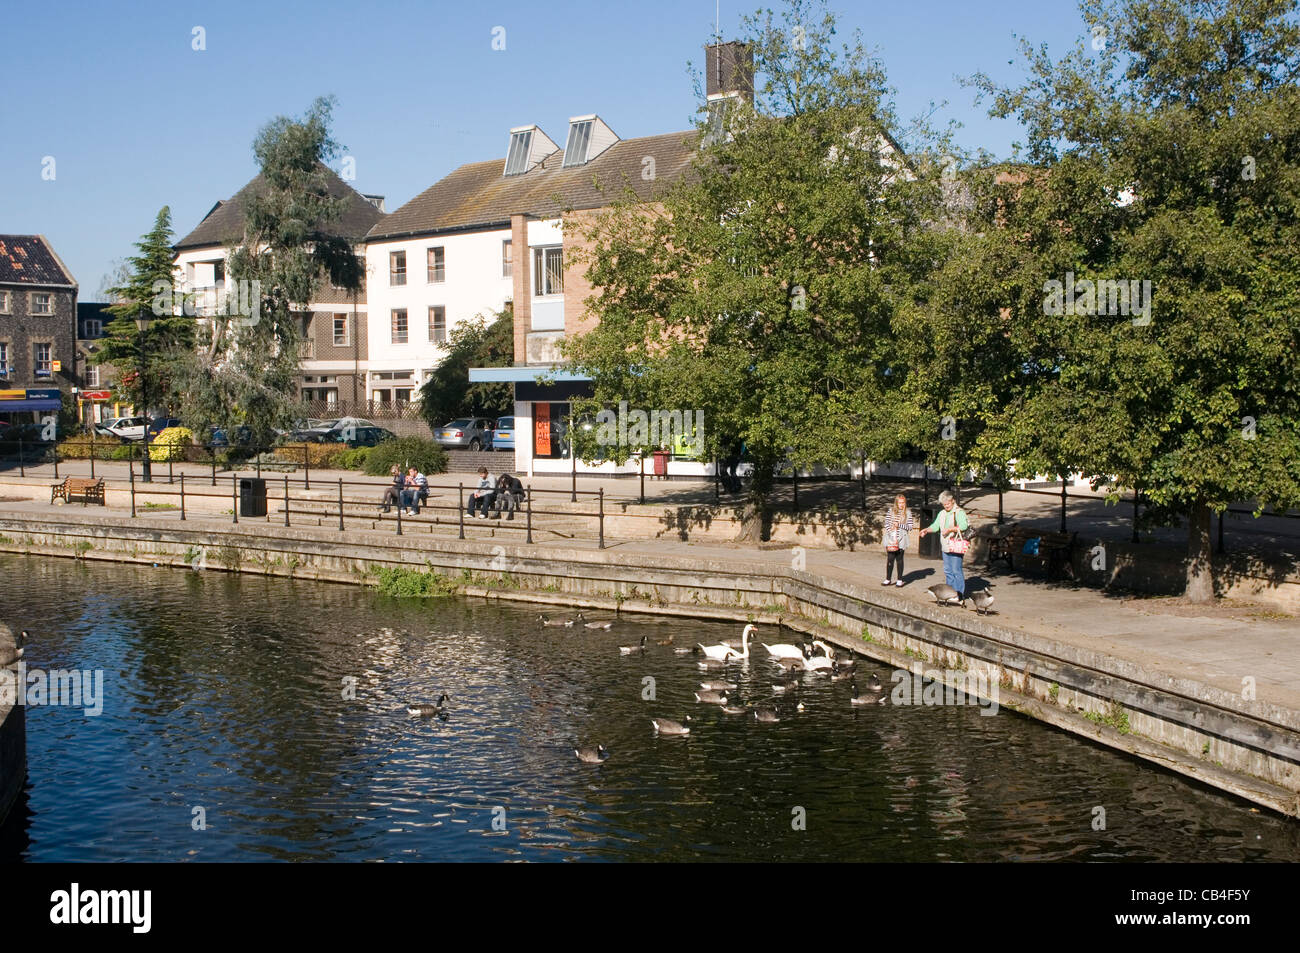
[
  {"x": 245, "y": 368},
  {"x": 168, "y": 336},
  {"x": 1166, "y": 149},
  {"x": 761, "y": 289},
  {"x": 448, "y": 393}
]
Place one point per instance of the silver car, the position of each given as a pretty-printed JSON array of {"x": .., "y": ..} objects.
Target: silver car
[{"x": 467, "y": 433}]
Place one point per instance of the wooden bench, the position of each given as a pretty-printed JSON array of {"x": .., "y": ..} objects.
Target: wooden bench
[
  {"x": 78, "y": 488},
  {"x": 1056, "y": 550}
]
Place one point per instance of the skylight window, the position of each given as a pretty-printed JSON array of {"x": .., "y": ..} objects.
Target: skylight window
[
  {"x": 575, "y": 150},
  {"x": 521, "y": 143}
]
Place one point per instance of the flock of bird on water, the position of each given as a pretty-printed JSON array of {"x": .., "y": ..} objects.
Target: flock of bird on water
[{"x": 792, "y": 661}]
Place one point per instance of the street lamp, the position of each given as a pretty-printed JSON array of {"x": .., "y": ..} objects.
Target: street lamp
[{"x": 142, "y": 324}]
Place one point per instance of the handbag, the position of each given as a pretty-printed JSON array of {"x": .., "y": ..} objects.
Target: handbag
[{"x": 960, "y": 544}]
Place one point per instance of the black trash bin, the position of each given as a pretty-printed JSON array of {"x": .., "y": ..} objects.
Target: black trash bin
[
  {"x": 252, "y": 497},
  {"x": 928, "y": 546}
]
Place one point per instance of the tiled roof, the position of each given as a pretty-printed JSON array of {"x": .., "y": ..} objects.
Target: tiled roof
[
  {"x": 224, "y": 224},
  {"x": 478, "y": 194},
  {"x": 30, "y": 260}
]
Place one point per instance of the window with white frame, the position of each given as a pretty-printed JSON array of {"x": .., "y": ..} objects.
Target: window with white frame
[
  {"x": 399, "y": 326},
  {"x": 437, "y": 264},
  {"x": 397, "y": 267},
  {"x": 575, "y": 150},
  {"x": 437, "y": 324},
  {"x": 521, "y": 144},
  {"x": 42, "y": 303},
  {"x": 43, "y": 359},
  {"x": 548, "y": 270},
  {"x": 4, "y": 359},
  {"x": 92, "y": 375},
  {"x": 507, "y": 262},
  {"x": 340, "y": 330},
  {"x": 4, "y": 302}
]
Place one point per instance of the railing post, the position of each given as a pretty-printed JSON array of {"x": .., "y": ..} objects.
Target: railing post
[
  {"x": 641, "y": 467},
  {"x": 528, "y": 492},
  {"x": 399, "y": 512},
  {"x": 171, "y": 467},
  {"x": 234, "y": 498},
  {"x": 602, "y": 517},
  {"x": 131, "y": 464},
  {"x": 92, "y": 451},
  {"x": 340, "y": 504},
  {"x": 286, "y": 499},
  {"x": 56, "y": 461},
  {"x": 257, "y": 460},
  {"x": 717, "y": 480},
  {"x": 862, "y": 463},
  {"x": 212, "y": 452},
  {"x": 1000, "y": 519},
  {"x": 1063, "y": 476},
  {"x": 460, "y": 508},
  {"x": 182, "y": 496},
  {"x": 306, "y": 468},
  {"x": 22, "y": 469},
  {"x": 573, "y": 497}
]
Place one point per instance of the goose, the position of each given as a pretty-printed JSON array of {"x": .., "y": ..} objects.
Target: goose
[
  {"x": 11, "y": 654},
  {"x": 629, "y": 649},
  {"x": 666, "y": 726},
  {"x": 841, "y": 672},
  {"x": 982, "y": 599},
  {"x": 590, "y": 755},
  {"x": 682, "y": 650},
  {"x": 712, "y": 665},
  {"x": 667, "y": 641},
  {"x": 791, "y": 664},
  {"x": 599, "y": 625},
  {"x": 722, "y": 651},
  {"x": 817, "y": 663},
  {"x": 944, "y": 594},
  {"x": 874, "y": 695},
  {"x": 787, "y": 682},
  {"x": 771, "y": 715},
  {"x": 544, "y": 620},
  {"x": 429, "y": 711},
  {"x": 710, "y": 697},
  {"x": 734, "y": 709},
  {"x": 716, "y": 685}
]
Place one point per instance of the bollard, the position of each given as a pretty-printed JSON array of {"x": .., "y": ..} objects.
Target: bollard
[
  {"x": 171, "y": 476},
  {"x": 602, "y": 517},
  {"x": 234, "y": 498},
  {"x": 258, "y": 461},
  {"x": 717, "y": 480},
  {"x": 132, "y": 465},
  {"x": 212, "y": 451},
  {"x": 573, "y": 497},
  {"x": 399, "y": 514},
  {"x": 340, "y": 504},
  {"x": 286, "y": 499},
  {"x": 56, "y": 461},
  {"x": 461, "y": 509},
  {"x": 1000, "y": 519},
  {"x": 528, "y": 491},
  {"x": 182, "y": 496},
  {"x": 306, "y": 469},
  {"x": 862, "y": 462},
  {"x": 22, "y": 470},
  {"x": 1063, "y": 503},
  {"x": 641, "y": 467}
]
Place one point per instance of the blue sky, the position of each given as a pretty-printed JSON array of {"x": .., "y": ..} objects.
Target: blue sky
[{"x": 135, "y": 118}]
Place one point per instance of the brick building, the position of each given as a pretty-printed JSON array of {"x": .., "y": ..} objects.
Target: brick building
[{"x": 38, "y": 328}]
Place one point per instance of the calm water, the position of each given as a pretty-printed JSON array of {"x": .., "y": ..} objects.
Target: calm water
[{"x": 225, "y": 693}]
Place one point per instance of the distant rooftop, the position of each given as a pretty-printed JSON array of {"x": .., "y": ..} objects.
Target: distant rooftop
[{"x": 30, "y": 260}]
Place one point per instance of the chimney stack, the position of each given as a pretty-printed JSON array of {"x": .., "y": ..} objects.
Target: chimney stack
[{"x": 729, "y": 70}]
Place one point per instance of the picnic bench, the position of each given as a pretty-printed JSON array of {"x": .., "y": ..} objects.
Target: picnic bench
[
  {"x": 1055, "y": 550},
  {"x": 79, "y": 488}
]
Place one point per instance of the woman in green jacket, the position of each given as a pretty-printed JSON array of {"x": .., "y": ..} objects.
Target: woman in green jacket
[{"x": 950, "y": 523}]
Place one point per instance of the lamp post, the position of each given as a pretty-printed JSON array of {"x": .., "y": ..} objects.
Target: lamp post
[{"x": 142, "y": 325}]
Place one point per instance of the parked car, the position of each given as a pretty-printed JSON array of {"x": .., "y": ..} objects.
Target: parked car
[
  {"x": 218, "y": 437},
  {"x": 307, "y": 431},
  {"x": 361, "y": 434},
  {"x": 124, "y": 428},
  {"x": 472, "y": 433},
  {"x": 503, "y": 438},
  {"x": 159, "y": 424}
]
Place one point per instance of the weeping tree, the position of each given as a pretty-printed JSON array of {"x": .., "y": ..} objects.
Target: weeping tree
[
  {"x": 1162, "y": 217},
  {"x": 759, "y": 289},
  {"x": 245, "y": 368}
]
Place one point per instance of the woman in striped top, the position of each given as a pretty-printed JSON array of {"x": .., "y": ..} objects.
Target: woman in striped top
[{"x": 898, "y": 523}]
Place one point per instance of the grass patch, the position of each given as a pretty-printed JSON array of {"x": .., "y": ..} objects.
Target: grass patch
[
  {"x": 413, "y": 583},
  {"x": 1115, "y": 716},
  {"x": 159, "y": 506}
]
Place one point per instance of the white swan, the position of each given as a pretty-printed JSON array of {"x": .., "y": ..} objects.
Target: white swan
[
  {"x": 783, "y": 651},
  {"x": 722, "y": 651},
  {"x": 818, "y": 663}
]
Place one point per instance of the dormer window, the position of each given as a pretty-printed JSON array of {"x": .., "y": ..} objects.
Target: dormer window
[
  {"x": 575, "y": 150},
  {"x": 521, "y": 144}
]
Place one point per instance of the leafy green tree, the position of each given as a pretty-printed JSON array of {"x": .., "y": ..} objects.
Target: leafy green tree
[
  {"x": 761, "y": 287},
  {"x": 245, "y": 368},
  {"x": 1165, "y": 148},
  {"x": 168, "y": 334},
  {"x": 448, "y": 393}
]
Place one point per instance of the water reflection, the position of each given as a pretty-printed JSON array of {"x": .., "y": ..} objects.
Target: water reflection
[{"x": 279, "y": 708}]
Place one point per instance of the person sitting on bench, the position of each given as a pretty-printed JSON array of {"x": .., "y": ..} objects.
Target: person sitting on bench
[
  {"x": 483, "y": 495},
  {"x": 509, "y": 495},
  {"x": 393, "y": 492}
]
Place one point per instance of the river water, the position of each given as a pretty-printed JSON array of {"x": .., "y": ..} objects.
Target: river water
[{"x": 249, "y": 718}]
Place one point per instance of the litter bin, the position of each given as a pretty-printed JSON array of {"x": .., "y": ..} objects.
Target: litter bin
[
  {"x": 252, "y": 497},
  {"x": 928, "y": 546},
  {"x": 661, "y": 463}
]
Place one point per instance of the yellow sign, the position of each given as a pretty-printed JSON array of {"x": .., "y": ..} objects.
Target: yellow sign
[
  {"x": 56, "y": 366},
  {"x": 13, "y": 395}
]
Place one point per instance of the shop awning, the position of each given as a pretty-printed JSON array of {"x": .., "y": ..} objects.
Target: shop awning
[
  {"x": 507, "y": 375},
  {"x": 31, "y": 399}
]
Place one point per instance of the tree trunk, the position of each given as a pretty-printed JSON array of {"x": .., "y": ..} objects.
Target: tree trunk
[
  {"x": 756, "y": 517},
  {"x": 1200, "y": 570}
]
